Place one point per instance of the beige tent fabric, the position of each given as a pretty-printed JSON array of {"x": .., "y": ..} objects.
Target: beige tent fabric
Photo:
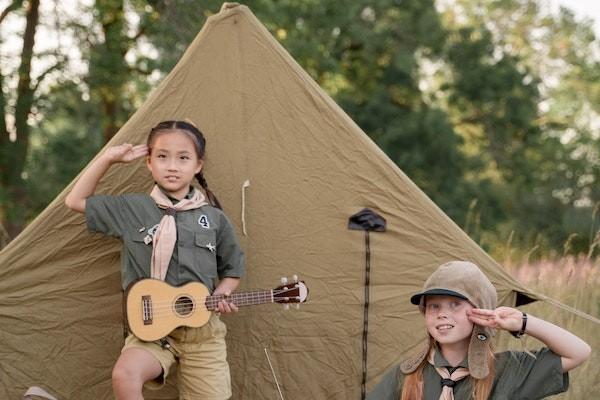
[{"x": 309, "y": 167}]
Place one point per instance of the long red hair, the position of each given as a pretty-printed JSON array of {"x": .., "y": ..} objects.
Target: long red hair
[{"x": 412, "y": 387}]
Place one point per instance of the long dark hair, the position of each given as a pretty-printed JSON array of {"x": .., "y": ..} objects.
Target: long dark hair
[{"x": 199, "y": 145}]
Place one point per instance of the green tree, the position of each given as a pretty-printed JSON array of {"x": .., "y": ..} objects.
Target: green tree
[
  {"x": 14, "y": 140},
  {"x": 525, "y": 103}
]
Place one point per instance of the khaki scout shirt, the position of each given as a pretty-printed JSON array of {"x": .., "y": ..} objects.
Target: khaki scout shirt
[
  {"x": 206, "y": 247},
  {"x": 519, "y": 376}
]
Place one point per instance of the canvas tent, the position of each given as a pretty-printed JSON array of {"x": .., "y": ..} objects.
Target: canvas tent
[{"x": 309, "y": 168}]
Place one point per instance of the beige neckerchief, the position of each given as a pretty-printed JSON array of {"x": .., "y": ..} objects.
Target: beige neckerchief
[
  {"x": 165, "y": 236},
  {"x": 447, "y": 386}
]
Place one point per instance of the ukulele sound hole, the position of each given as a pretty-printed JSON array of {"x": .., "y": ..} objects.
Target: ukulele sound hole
[{"x": 184, "y": 306}]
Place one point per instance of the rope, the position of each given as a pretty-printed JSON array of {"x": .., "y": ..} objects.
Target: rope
[
  {"x": 274, "y": 376},
  {"x": 244, "y": 186}
]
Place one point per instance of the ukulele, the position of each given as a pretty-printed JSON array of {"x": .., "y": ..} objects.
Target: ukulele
[{"x": 154, "y": 308}]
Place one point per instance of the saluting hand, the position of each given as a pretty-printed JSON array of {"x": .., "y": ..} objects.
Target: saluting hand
[
  {"x": 125, "y": 152},
  {"x": 507, "y": 318}
]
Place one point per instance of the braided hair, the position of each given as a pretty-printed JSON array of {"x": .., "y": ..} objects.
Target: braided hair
[{"x": 199, "y": 144}]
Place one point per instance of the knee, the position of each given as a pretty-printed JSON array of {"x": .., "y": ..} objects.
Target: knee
[{"x": 124, "y": 375}]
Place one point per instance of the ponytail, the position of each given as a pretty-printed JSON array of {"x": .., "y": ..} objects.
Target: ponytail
[{"x": 209, "y": 194}]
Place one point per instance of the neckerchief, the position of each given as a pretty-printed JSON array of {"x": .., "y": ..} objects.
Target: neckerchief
[
  {"x": 164, "y": 239},
  {"x": 448, "y": 379}
]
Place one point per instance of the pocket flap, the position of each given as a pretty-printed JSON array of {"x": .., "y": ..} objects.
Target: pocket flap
[{"x": 206, "y": 239}]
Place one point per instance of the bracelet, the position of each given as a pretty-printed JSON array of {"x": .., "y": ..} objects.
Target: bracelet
[{"x": 521, "y": 332}]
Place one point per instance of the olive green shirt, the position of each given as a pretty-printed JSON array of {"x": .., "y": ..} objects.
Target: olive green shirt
[
  {"x": 206, "y": 247},
  {"x": 519, "y": 376}
]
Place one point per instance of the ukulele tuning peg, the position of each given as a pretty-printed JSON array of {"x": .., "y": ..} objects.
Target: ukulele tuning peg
[
  {"x": 295, "y": 278},
  {"x": 284, "y": 280},
  {"x": 286, "y": 306}
]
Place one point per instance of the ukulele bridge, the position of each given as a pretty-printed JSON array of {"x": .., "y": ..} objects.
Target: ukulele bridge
[{"x": 147, "y": 312}]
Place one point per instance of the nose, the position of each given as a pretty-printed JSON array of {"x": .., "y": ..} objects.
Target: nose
[
  {"x": 442, "y": 314},
  {"x": 442, "y": 311},
  {"x": 172, "y": 165}
]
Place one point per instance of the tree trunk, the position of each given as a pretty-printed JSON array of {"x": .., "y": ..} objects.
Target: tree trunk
[
  {"x": 108, "y": 70},
  {"x": 13, "y": 152}
]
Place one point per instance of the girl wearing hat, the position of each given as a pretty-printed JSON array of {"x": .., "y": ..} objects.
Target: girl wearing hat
[{"x": 459, "y": 305}]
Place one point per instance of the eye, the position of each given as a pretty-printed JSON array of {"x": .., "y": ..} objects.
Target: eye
[
  {"x": 456, "y": 304},
  {"x": 161, "y": 156},
  {"x": 432, "y": 306},
  {"x": 185, "y": 157}
]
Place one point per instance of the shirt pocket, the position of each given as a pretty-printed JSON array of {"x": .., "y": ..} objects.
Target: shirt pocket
[
  {"x": 138, "y": 249},
  {"x": 202, "y": 254}
]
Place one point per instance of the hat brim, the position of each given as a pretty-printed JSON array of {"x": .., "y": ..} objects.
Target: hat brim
[{"x": 416, "y": 299}]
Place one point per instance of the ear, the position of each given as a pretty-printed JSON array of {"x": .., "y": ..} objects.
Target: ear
[
  {"x": 148, "y": 164},
  {"x": 199, "y": 166}
]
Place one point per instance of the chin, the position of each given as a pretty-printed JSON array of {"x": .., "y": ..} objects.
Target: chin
[{"x": 450, "y": 338}]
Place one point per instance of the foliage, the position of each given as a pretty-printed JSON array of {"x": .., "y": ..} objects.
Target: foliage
[
  {"x": 490, "y": 107},
  {"x": 60, "y": 148}
]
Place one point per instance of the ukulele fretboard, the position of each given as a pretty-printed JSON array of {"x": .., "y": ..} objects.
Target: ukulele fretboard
[{"x": 241, "y": 299}]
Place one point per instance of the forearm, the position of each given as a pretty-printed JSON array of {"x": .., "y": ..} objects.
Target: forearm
[
  {"x": 572, "y": 350},
  {"x": 85, "y": 186}
]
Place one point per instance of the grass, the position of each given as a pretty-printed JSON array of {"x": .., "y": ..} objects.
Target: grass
[{"x": 575, "y": 282}]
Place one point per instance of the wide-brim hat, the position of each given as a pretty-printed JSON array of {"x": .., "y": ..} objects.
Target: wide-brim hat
[{"x": 464, "y": 280}]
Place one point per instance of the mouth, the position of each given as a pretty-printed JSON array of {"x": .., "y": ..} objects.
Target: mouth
[
  {"x": 171, "y": 178},
  {"x": 444, "y": 327}
]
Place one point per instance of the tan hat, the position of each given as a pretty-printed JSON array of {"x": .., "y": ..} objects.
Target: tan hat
[{"x": 465, "y": 280}]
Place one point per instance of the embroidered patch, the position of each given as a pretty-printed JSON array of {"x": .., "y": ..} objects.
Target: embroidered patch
[
  {"x": 211, "y": 247},
  {"x": 149, "y": 238},
  {"x": 203, "y": 221},
  {"x": 152, "y": 231}
]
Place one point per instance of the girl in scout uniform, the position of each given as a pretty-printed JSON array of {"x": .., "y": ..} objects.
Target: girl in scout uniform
[
  {"x": 177, "y": 234},
  {"x": 459, "y": 305}
]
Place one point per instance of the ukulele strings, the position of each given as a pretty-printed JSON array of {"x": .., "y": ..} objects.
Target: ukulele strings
[{"x": 157, "y": 308}]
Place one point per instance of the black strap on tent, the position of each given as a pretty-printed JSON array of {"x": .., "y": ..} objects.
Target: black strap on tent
[{"x": 366, "y": 220}]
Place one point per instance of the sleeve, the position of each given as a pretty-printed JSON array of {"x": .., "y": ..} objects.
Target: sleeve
[
  {"x": 230, "y": 257},
  {"x": 388, "y": 387},
  {"x": 105, "y": 214},
  {"x": 534, "y": 375}
]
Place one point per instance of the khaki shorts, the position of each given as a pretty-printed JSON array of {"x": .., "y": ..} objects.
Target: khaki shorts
[{"x": 201, "y": 357}]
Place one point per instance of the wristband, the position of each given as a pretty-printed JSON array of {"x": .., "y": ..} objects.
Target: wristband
[{"x": 521, "y": 332}]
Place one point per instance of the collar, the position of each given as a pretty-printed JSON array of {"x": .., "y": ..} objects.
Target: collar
[
  {"x": 174, "y": 200},
  {"x": 440, "y": 361}
]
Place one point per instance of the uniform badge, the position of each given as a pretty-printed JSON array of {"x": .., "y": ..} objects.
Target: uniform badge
[
  {"x": 211, "y": 247},
  {"x": 152, "y": 231},
  {"x": 149, "y": 238},
  {"x": 203, "y": 221}
]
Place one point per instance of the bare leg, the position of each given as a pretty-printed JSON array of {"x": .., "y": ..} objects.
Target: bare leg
[{"x": 133, "y": 368}]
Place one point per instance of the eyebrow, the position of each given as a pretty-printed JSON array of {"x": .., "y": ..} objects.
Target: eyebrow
[{"x": 166, "y": 150}]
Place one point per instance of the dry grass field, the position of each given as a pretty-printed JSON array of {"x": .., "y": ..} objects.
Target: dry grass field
[{"x": 576, "y": 283}]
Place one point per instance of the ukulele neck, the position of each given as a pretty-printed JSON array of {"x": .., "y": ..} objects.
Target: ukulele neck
[{"x": 241, "y": 299}]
